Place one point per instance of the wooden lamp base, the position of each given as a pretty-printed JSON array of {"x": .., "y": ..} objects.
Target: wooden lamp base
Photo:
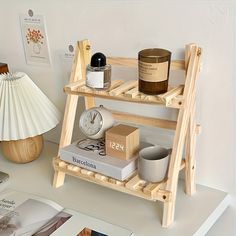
[{"x": 23, "y": 150}]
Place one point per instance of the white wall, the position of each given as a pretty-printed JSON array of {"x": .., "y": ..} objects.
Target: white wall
[{"x": 122, "y": 28}]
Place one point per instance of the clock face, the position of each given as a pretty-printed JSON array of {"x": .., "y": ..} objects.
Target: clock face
[{"x": 91, "y": 122}]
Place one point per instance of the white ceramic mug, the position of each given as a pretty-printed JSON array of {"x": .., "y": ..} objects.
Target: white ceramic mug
[{"x": 153, "y": 163}]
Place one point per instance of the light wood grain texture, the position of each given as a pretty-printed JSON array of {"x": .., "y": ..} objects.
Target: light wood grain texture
[
  {"x": 114, "y": 84},
  {"x": 151, "y": 189},
  {"x": 84, "y": 48},
  {"x": 168, "y": 96},
  {"x": 122, "y": 141},
  {"x": 188, "y": 49},
  {"x": 101, "y": 177},
  {"x": 75, "y": 85},
  {"x": 113, "y": 183},
  {"x": 77, "y": 77},
  {"x": 181, "y": 128},
  {"x": 124, "y": 87},
  {"x": 87, "y": 172},
  {"x": 133, "y": 185},
  {"x": 144, "y": 120},
  {"x": 178, "y": 102},
  {"x": 59, "y": 178},
  {"x": 77, "y": 74},
  {"x": 68, "y": 120},
  {"x": 84, "y": 91},
  {"x": 132, "y": 62},
  {"x": 192, "y": 131},
  {"x": 177, "y": 65},
  {"x": 132, "y": 93},
  {"x": 190, "y": 185},
  {"x": 85, "y": 57},
  {"x": 181, "y": 97},
  {"x": 122, "y": 61},
  {"x": 73, "y": 168},
  {"x": 23, "y": 150}
]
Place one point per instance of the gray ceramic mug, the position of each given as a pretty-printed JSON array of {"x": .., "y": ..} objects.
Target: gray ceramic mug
[{"x": 153, "y": 163}]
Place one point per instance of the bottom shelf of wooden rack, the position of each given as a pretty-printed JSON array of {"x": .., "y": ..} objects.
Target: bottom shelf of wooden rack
[{"x": 133, "y": 185}]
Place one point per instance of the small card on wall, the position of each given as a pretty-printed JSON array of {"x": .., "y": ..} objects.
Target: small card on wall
[{"x": 35, "y": 40}]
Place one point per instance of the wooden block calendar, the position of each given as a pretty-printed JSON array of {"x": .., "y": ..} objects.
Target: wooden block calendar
[{"x": 122, "y": 141}]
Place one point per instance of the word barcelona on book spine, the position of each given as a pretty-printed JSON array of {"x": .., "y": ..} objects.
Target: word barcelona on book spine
[{"x": 89, "y": 154}]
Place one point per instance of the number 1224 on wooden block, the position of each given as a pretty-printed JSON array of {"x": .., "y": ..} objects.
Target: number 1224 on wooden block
[{"x": 122, "y": 141}]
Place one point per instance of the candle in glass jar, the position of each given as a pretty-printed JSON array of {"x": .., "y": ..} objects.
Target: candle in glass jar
[{"x": 154, "y": 67}]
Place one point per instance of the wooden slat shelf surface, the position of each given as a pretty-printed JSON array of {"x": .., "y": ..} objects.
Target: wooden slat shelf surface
[
  {"x": 128, "y": 91},
  {"x": 182, "y": 97},
  {"x": 132, "y": 185}
]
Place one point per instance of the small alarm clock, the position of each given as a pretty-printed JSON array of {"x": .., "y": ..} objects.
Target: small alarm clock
[{"x": 95, "y": 121}]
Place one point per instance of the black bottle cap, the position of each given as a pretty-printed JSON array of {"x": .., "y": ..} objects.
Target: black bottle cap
[{"x": 98, "y": 60}]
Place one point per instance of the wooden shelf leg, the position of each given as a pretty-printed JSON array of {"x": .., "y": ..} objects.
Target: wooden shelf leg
[
  {"x": 174, "y": 166},
  {"x": 183, "y": 122},
  {"x": 190, "y": 147},
  {"x": 190, "y": 162},
  {"x": 81, "y": 59},
  {"x": 59, "y": 178},
  {"x": 89, "y": 102},
  {"x": 66, "y": 134},
  {"x": 68, "y": 121},
  {"x": 168, "y": 213}
]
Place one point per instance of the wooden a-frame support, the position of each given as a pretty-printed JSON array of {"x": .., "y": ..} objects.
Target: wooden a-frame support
[{"x": 186, "y": 128}]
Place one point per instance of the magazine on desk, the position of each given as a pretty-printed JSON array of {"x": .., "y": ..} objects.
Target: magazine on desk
[{"x": 23, "y": 214}]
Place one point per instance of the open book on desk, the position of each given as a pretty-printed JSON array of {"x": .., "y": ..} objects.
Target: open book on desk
[{"x": 23, "y": 214}]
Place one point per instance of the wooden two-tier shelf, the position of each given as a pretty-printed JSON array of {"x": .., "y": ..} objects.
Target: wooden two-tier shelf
[{"x": 181, "y": 97}]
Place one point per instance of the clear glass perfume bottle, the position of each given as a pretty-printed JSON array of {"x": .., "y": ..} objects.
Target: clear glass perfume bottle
[{"x": 98, "y": 74}]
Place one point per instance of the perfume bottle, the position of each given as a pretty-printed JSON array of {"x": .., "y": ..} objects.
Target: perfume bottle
[{"x": 98, "y": 74}]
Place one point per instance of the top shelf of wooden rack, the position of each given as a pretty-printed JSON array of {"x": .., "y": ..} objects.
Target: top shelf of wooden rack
[{"x": 128, "y": 90}]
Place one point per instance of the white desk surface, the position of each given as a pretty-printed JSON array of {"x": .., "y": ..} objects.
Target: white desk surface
[{"x": 194, "y": 215}]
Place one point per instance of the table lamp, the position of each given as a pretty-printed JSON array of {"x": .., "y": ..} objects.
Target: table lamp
[{"x": 25, "y": 114}]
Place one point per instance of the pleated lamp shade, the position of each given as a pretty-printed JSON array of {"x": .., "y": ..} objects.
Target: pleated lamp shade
[{"x": 25, "y": 111}]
